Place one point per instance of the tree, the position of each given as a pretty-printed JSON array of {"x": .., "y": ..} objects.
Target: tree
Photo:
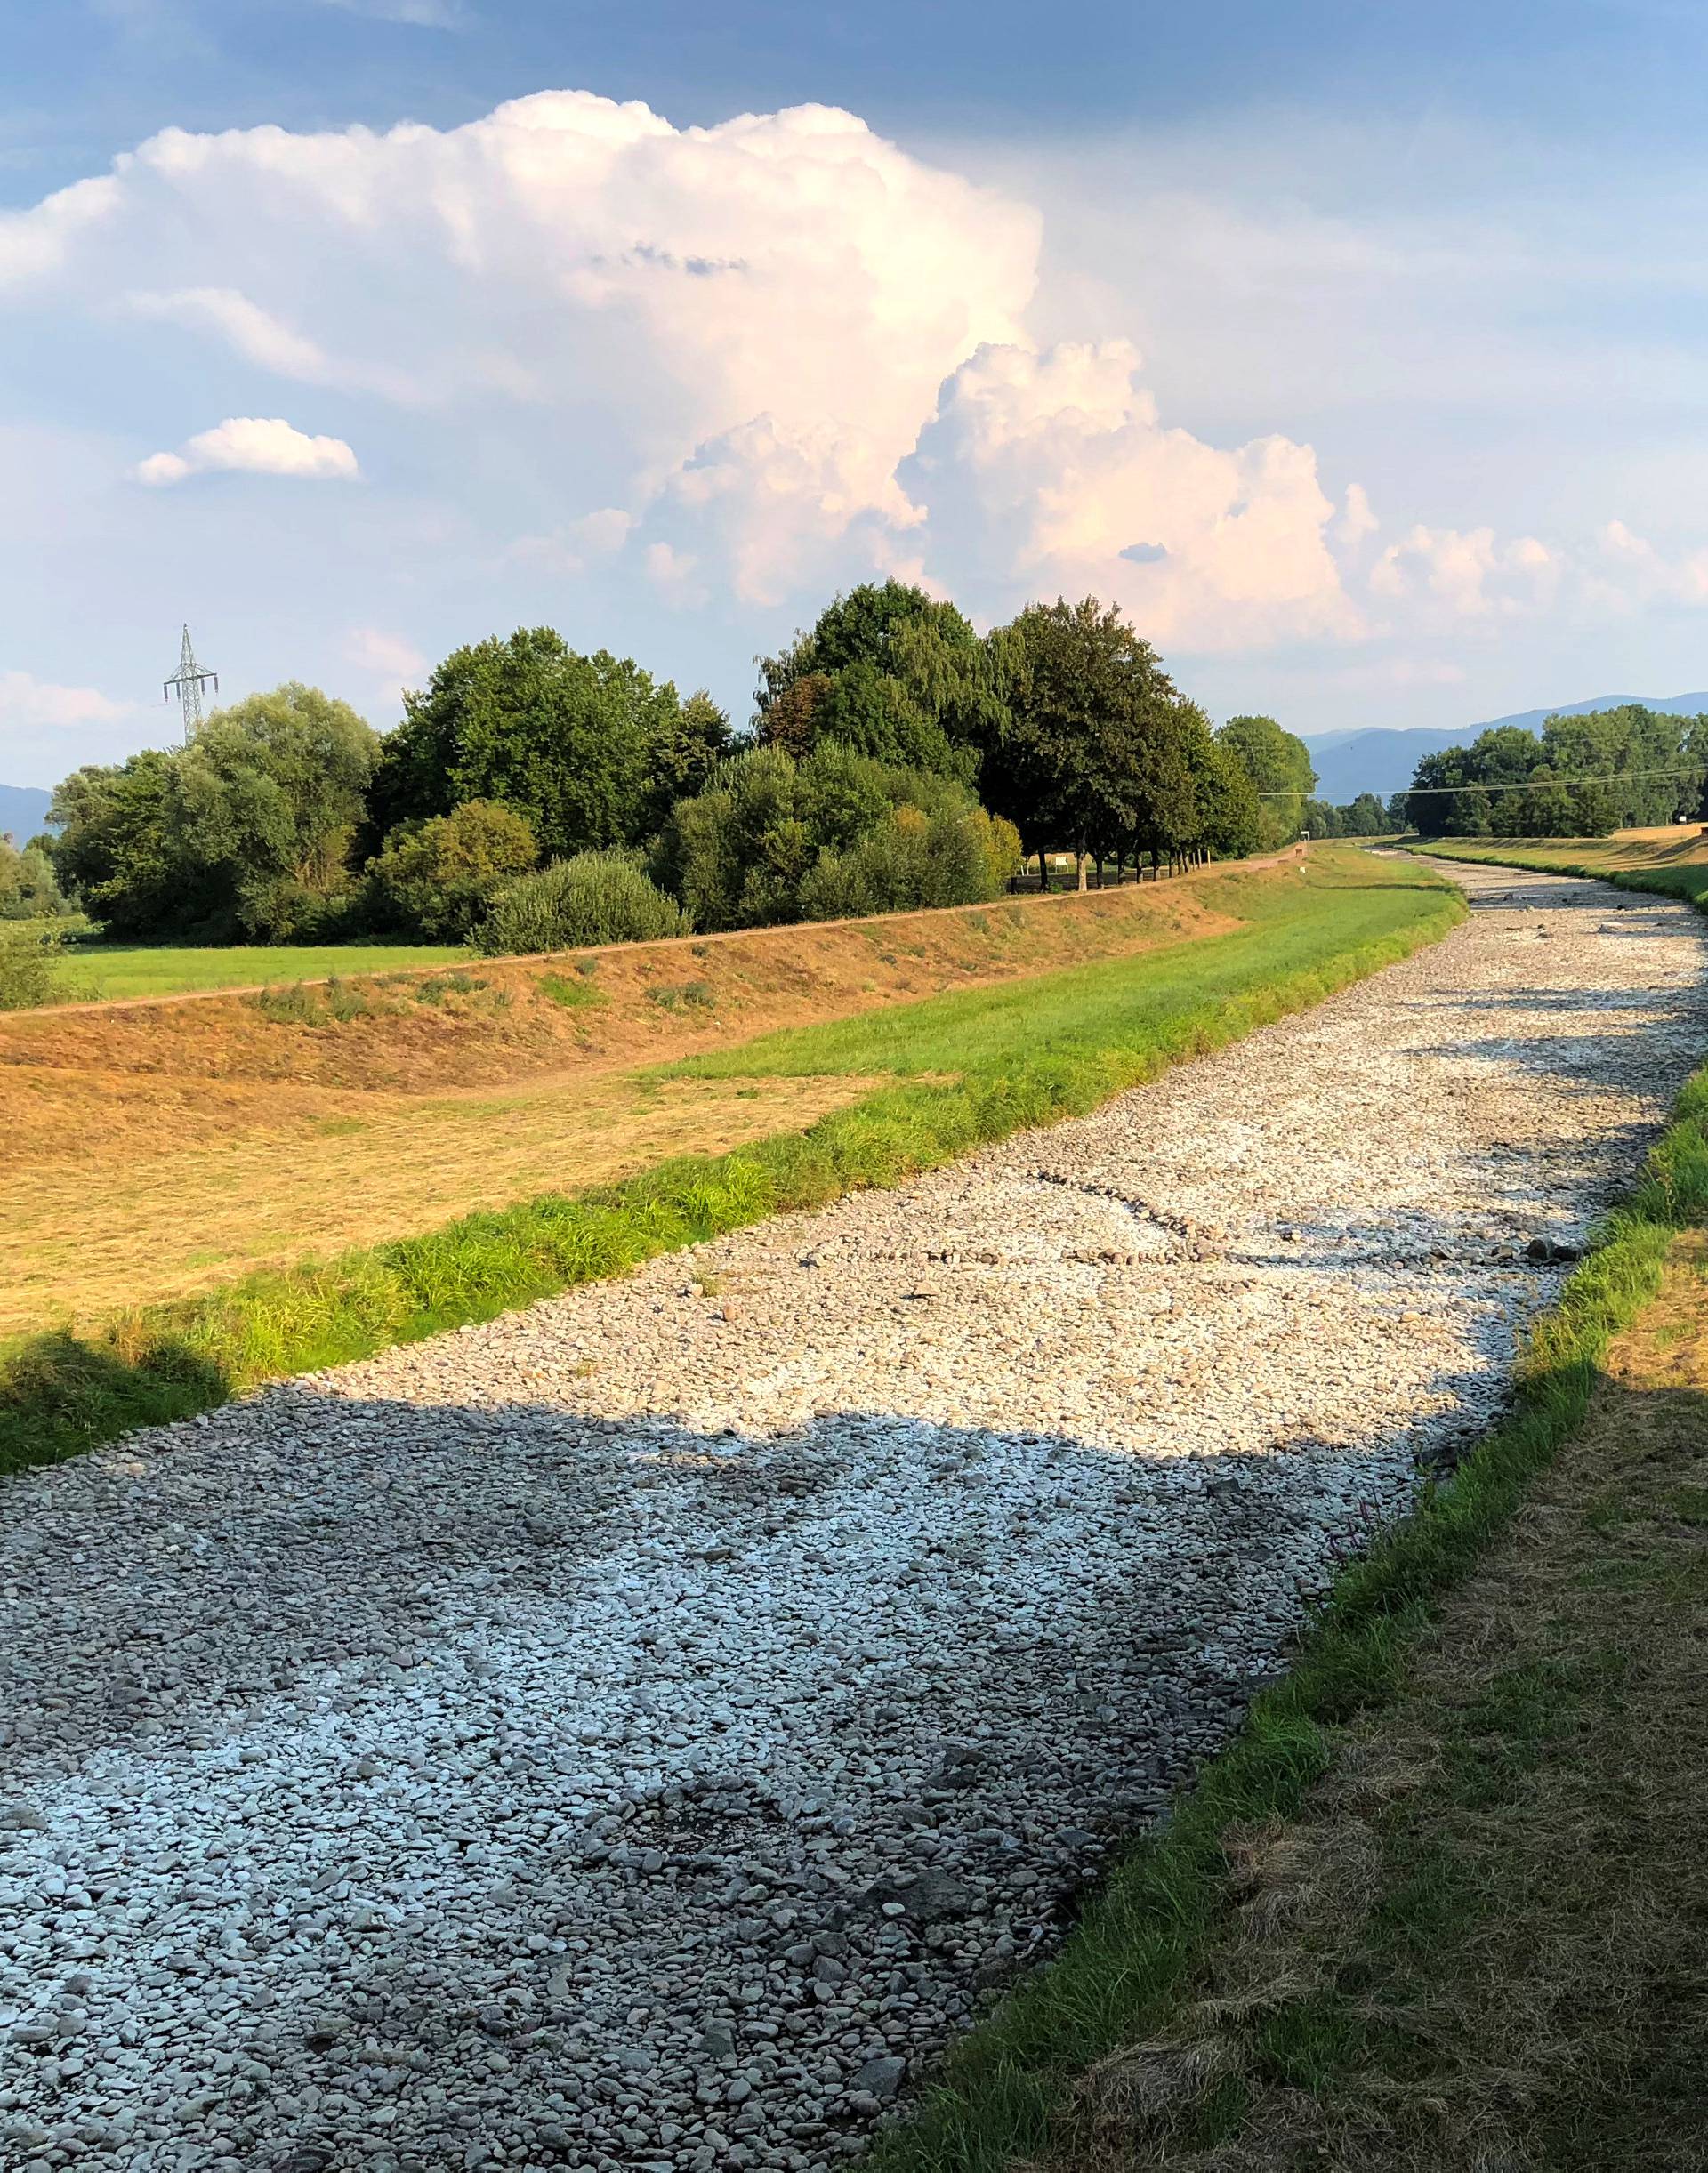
[
  {"x": 244, "y": 833},
  {"x": 1365, "y": 817},
  {"x": 120, "y": 846},
  {"x": 592, "y": 749},
  {"x": 1230, "y": 812},
  {"x": 29, "y": 890},
  {"x": 1083, "y": 688},
  {"x": 890, "y": 672},
  {"x": 1280, "y": 769},
  {"x": 437, "y": 880},
  {"x": 271, "y": 790}
]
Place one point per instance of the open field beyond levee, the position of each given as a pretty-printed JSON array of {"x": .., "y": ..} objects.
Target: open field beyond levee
[
  {"x": 646, "y": 1730},
  {"x": 158, "y": 1150},
  {"x": 121, "y": 972}
]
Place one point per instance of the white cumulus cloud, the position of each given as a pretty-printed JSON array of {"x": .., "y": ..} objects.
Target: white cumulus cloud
[
  {"x": 1054, "y": 471},
  {"x": 1468, "y": 574},
  {"x": 252, "y": 445},
  {"x": 28, "y": 704}
]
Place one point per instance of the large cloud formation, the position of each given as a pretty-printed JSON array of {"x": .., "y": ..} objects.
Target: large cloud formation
[
  {"x": 759, "y": 356},
  {"x": 1056, "y": 468}
]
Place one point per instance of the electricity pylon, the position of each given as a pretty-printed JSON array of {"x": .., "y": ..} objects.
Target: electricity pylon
[{"x": 189, "y": 679}]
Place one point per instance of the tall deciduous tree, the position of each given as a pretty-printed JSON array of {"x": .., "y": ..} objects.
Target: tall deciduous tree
[
  {"x": 271, "y": 791},
  {"x": 1280, "y": 769},
  {"x": 1103, "y": 754},
  {"x": 889, "y": 672},
  {"x": 245, "y": 833},
  {"x": 592, "y": 749}
]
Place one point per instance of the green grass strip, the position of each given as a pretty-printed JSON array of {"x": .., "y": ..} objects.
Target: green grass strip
[
  {"x": 1088, "y": 1033},
  {"x": 1136, "y": 1952}
]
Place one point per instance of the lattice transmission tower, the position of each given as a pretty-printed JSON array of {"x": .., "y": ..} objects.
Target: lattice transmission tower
[{"x": 189, "y": 680}]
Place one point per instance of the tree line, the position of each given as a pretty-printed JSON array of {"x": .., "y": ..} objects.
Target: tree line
[
  {"x": 896, "y": 757},
  {"x": 1619, "y": 768}
]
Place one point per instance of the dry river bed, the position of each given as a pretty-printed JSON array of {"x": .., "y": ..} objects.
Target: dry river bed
[{"x": 639, "y": 1732}]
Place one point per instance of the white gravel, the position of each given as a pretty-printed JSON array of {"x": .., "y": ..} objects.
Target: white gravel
[{"x": 635, "y": 1733}]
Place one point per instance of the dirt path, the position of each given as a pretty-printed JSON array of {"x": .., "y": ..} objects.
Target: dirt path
[{"x": 634, "y": 1733}]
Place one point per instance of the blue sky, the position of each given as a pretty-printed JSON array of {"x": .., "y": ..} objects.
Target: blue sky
[{"x": 1358, "y": 351}]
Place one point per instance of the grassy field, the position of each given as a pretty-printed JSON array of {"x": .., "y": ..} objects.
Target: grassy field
[
  {"x": 106, "y": 973},
  {"x": 1440, "y": 1907},
  {"x": 961, "y": 1069},
  {"x": 1672, "y": 861}
]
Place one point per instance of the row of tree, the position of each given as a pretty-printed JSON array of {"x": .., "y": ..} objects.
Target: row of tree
[
  {"x": 896, "y": 757},
  {"x": 1580, "y": 778}
]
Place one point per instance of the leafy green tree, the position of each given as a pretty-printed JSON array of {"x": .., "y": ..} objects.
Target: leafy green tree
[
  {"x": 1365, "y": 817},
  {"x": 1230, "y": 813},
  {"x": 890, "y": 672},
  {"x": 29, "y": 890},
  {"x": 1103, "y": 754},
  {"x": 121, "y": 847},
  {"x": 271, "y": 790},
  {"x": 592, "y": 749},
  {"x": 245, "y": 833},
  {"x": 435, "y": 879},
  {"x": 1279, "y": 766}
]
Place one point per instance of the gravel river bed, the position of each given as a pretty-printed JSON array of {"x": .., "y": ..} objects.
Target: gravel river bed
[{"x": 639, "y": 1731}]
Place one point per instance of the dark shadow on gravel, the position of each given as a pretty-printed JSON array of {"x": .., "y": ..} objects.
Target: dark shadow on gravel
[{"x": 345, "y": 1637}]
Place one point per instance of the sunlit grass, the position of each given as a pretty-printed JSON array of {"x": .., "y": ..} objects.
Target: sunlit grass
[{"x": 101, "y": 972}]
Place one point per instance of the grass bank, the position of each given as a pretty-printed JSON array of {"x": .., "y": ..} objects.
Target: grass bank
[
  {"x": 1238, "y": 1996},
  {"x": 1016, "y": 1054},
  {"x": 1657, "y": 860}
]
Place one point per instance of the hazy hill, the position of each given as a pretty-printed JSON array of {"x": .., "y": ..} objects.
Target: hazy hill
[
  {"x": 1349, "y": 763},
  {"x": 23, "y": 809}
]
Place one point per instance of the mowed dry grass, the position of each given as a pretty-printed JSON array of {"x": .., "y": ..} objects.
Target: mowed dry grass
[{"x": 154, "y": 1150}]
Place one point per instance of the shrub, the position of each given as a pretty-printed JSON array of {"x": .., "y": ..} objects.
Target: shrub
[
  {"x": 591, "y": 897},
  {"x": 833, "y": 835},
  {"x": 31, "y": 963},
  {"x": 437, "y": 880}
]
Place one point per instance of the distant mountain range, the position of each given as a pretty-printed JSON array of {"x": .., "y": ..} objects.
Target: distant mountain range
[
  {"x": 23, "y": 809},
  {"x": 1349, "y": 763}
]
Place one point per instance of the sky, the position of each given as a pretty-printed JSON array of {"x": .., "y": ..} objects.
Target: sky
[{"x": 1357, "y": 352}]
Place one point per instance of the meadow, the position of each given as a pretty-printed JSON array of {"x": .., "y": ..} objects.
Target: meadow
[
  {"x": 108, "y": 973},
  {"x": 911, "y": 1085}
]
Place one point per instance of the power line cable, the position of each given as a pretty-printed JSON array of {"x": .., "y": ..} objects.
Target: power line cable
[{"x": 1522, "y": 784}]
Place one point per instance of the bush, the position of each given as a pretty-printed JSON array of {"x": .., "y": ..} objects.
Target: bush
[
  {"x": 957, "y": 857},
  {"x": 439, "y": 879},
  {"x": 833, "y": 835},
  {"x": 31, "y": 963},
  {"x": 591, "y": 897}
]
